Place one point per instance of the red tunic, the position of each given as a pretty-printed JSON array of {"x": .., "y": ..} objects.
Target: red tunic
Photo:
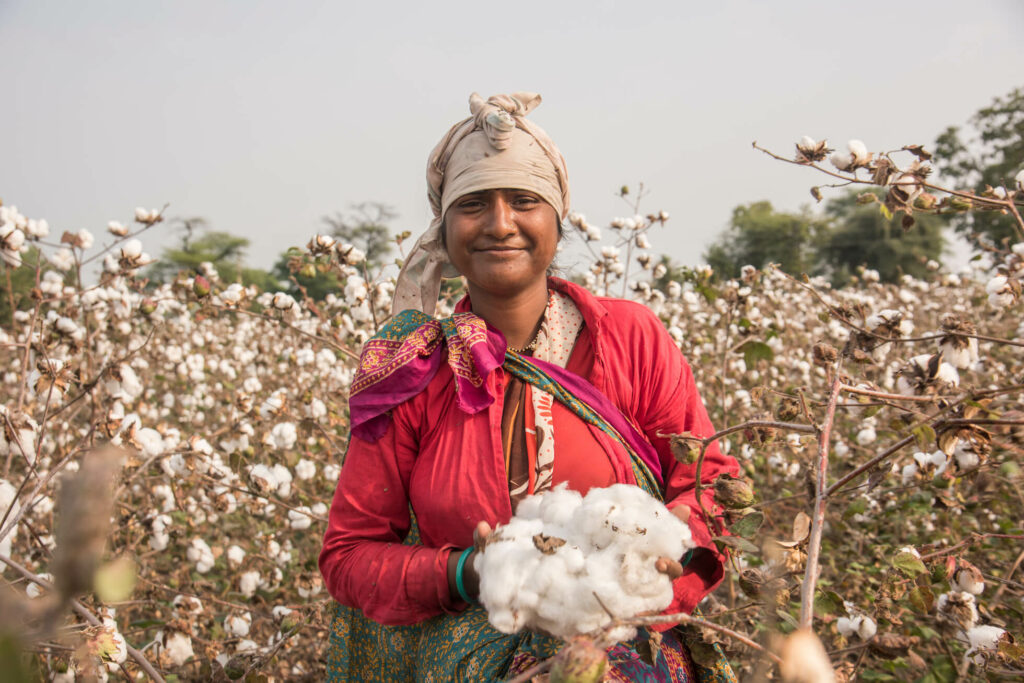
[{"x": 450, "y": 466}]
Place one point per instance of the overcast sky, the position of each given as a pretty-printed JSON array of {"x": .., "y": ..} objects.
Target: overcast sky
[{"x": 262, "y": 117}]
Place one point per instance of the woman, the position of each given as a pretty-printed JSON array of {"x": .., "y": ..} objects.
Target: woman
[{"x": 533, "y": 382}]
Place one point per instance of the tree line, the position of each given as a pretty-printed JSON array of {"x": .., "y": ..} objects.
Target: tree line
[{"x": 853, "y": 230}]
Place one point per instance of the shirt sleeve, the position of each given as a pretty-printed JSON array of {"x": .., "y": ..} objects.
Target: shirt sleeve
[
  {"x": 669, "y": 403},
  {"x": 363, "y": 560}
]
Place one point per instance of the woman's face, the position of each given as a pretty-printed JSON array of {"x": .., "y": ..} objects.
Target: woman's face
[{"x": 502, "y": 241}]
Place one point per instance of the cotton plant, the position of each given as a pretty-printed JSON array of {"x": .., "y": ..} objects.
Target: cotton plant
[{"x": 230, "y": 402}]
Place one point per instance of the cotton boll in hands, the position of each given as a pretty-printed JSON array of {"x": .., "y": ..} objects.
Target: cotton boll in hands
[{"x": 544, "y": 568}]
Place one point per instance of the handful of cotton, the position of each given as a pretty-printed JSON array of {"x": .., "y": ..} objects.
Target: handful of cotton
[{"x": 564, "y": 558}]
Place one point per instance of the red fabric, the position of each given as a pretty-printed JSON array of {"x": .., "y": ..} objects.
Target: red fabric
[
  {"x": 450, "y": 466},
  {"x": 579, "y": 457}
]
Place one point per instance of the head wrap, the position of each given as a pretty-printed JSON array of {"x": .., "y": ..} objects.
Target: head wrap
[{"x": 494, "y": 148}]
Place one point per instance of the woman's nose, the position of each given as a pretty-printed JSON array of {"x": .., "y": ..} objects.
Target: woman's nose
[{"x": 502, "y": 218}]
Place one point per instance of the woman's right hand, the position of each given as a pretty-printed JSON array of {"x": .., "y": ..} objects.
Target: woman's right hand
[{"x": 470, "y": 578}]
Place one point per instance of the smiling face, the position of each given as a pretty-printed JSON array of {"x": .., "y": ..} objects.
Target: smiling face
[{"x": 502, "y": 241}]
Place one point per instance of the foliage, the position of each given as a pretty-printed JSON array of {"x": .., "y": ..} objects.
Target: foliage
[
  {"x": 223, "y": 251},
  {"x": 758, "y": 235},
  {"x": 990, "y": 155},
  {"x": 365, "y": 227},
  {"x": 860, "y": 234},
  {"x": 17, "y": 283},
  {"x": 901, "y": 535}
]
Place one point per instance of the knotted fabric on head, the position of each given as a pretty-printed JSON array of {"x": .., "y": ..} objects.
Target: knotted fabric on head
[{"x": 496, "y": 147}]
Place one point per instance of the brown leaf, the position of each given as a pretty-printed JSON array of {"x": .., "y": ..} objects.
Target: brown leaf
[
  {"x": 919, "y": 151},
  {"x": 881, "y": 172},
  {"x": 547, "y": 544},
  {"x": 801, "y": 526},
  {"x": 816, "y": 193},
  {"x": 892, "y": 645},
  {"x": 907, "y": 222}
]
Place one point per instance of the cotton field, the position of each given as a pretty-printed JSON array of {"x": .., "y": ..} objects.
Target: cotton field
[{"x": 192, "y": 548}]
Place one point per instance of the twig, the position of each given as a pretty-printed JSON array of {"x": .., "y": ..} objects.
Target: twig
[
  {"x": 684, "y": 618},
  {"x": 870, "y": 464},
  {"x": 821, "y": 500},
  {"x": 83, "y": 612},
  {"x": 535, "y": 670}
]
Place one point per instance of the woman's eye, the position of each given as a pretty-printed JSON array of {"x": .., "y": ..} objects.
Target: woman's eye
[{"x": 526, "y": 200}]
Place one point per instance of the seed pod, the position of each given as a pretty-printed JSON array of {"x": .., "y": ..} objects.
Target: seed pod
[
  {"x": 733, "y": 493},
  {"x": 579, "y": 662},
  {"x": 201, "y": 286}
]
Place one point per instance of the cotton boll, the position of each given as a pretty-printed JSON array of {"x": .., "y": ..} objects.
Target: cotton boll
[
  {"x": 8, "y": 500},
  {"x": 867, "y": 628},
  {"x": 299, "y": 519},
  {"x": 545, "y": 567},
  {"x": 238, "y": 624},
  {"x": 982, "y": 639},
  {"x": 200, "y": 553},
  {"x": 967, "y": 578},
  {"x": 176, "y": 646},
  {"x": 305, "y": 469},
  {"x": 248, "y": 582}
]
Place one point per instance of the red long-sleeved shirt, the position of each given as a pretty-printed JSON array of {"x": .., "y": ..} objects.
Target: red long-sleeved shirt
[{"x": 450, "y": 466}]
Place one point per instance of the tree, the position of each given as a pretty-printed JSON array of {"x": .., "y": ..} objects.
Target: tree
[
  {"x": 992, "y": 156},
  {"x": 860, "y": 234},
  {"x": 16, "y": 283},
  {"x": 222, "y": 249},
  {"x": 758, "y": 235},
  {"x": 302, "y": 272},
  {"x": 366, "y": 227}
]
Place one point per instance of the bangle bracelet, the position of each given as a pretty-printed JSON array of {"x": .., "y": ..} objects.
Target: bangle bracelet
[
  {"x": 686, "y": 558},
  {"x": 458, "y": 576}
]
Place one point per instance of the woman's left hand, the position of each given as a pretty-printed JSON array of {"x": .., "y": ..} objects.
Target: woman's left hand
[{"x": 672, "y": 568}]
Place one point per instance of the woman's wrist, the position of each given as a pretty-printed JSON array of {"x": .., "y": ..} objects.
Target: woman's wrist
[{"x": 463, "y": 582}]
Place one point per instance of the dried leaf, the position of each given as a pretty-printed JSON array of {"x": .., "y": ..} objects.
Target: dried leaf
[
  {"x": 801, "y": 526},
  {"x": 922, "y": 599},
  {"x": 547, "y": 544},
  {"x": 919, "y": 151}
]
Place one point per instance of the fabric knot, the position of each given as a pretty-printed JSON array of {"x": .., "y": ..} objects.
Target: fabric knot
[{"x": 496, "y": 116}]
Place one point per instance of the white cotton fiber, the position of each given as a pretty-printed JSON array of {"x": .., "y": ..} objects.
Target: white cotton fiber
[{"x": 544, "y": 568}]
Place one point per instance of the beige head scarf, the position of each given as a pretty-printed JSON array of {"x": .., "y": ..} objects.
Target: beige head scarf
[{"x": 494, "y": 148}]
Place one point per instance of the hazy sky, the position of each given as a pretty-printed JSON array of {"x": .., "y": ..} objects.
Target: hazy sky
[{"x": 264, "y": 116}]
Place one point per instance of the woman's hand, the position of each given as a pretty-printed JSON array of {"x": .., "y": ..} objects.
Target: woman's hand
[
  {"x": 470, "y": 579},
  {"x": 667, "y": 565}
]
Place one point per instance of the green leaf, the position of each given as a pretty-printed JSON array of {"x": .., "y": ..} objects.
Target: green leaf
[
  {"x": 736, "y": 542},
  {"x": 748, "y": 525},
  {"x": 754, "y": 351},
  {"x": 925, "y": 436},
  {"x": 858, "y": 507},
  {"x": 942, "y": 671},
  {"x": 828, "y": 602},
  {"x": 909, "y": 563}
]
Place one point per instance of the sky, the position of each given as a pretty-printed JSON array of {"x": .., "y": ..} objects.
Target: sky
[{"x": 263, "y": 117}]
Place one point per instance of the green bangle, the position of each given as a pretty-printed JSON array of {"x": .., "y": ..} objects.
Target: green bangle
[
  {"x": 686, "y": 558},
  {"x": 458, "y": 576}
]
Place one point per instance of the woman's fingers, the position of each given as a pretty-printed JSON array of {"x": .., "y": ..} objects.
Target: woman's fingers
[
  {"x": 682, "y": 512},
  {"x": 480, "y": 534},
  {"x": 669, "y": 567}
]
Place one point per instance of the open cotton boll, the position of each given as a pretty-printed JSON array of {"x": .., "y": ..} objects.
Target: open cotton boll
[{"x": 565, "y": 561}]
